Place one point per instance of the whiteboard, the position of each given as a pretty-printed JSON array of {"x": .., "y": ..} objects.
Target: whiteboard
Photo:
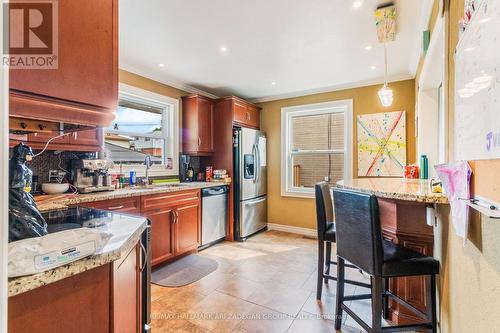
[{"x": 477, "y": 86}]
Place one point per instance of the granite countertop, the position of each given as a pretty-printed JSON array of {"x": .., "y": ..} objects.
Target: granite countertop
[
  {"x": 395, "y": 188},
  {"x": 50, "y": 202},
  {"x": 126, "y": 232}
]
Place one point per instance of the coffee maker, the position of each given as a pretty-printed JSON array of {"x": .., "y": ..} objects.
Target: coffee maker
[{"x": 92, "y": 175}]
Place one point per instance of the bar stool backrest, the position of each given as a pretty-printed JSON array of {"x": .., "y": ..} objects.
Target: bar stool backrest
[
  {"x": 359, "y": 237},
  {"x": 324, "y": 207}
]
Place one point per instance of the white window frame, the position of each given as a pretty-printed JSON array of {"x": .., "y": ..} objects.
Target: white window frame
[
  {"x": 287, "y": 113},
  {"x": 171, "y": 107}
]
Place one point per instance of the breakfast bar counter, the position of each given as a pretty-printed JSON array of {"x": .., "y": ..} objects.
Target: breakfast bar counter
[
  {"x": 403, "y": 207},
  {"x": 395, "y": 188}
]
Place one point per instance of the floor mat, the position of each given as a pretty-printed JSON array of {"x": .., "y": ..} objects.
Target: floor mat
[{"x": 184, "y": 271}]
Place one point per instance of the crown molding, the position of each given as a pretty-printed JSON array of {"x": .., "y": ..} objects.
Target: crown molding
[
  {"x": 359, "y": 84},
  {"x": 161, "y": 77}
]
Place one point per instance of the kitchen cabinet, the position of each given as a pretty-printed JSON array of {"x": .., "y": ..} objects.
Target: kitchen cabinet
[
  {"x": 90, "y": 140},
  {"x": 126, "y": 309},
  {"x": 80, "y": 303},
  {"x": 245, "y": 114},
  {"x": 161, "y": 234},
  {"x": 130, "y": 205},
  {"x": 187, "y": 227},
  {"x": 197, "y": 125},
  {"x": 84, "y": 88},
  {"x": 175, "y": 223}
]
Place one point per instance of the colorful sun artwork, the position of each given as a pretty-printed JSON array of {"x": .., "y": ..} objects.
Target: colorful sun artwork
[{"x": 382, "y": 144}]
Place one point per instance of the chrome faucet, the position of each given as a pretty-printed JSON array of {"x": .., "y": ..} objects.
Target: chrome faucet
[{"x": 148, "y": 163}]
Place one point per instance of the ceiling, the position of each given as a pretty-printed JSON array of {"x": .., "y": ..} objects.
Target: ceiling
[{"x": 274, "y": 48}]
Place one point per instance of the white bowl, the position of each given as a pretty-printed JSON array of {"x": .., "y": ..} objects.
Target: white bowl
[{"x": 55, "y": 188}]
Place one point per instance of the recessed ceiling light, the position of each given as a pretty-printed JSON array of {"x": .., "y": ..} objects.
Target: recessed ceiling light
[
  {"x": 368, "y": 47},
  {"x": 161, "y": 65},
  {"x": 223, "y": 49},
  {"x": 357, "y": 4},
  {"x": 373, "y": 68},
  {"x": 273, "y": 83}
]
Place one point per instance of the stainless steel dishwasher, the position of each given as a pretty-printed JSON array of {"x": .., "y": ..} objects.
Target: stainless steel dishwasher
[{"x": 214, "y": 214}]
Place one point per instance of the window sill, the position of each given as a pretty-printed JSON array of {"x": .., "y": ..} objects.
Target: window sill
[{"x": 298, "y": 194}]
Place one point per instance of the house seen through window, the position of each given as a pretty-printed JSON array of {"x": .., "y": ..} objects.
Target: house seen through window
[
  {"x": 142, "y": 127},
  {"x": 316, "y": 145}
]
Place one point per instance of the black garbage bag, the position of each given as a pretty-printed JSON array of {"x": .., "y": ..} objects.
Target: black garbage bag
[{"x": 25, "y": 221}]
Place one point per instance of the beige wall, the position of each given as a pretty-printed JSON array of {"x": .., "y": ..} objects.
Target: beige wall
[
  {"x": 470, "y": 276},
  {"x": 300, "y": 212},
  {"x": 150, "y": 85}
]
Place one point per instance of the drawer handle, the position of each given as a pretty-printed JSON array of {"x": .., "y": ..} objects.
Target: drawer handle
[
  {"x": 116, "y": 207},
  {"x": 248, "y": 115}
]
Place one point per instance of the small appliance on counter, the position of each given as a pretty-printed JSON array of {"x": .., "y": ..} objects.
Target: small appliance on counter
[{"x": 92, "y": 175}]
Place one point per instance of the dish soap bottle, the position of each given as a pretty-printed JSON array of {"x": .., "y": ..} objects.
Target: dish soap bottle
[{"x": 424, "y": 167}]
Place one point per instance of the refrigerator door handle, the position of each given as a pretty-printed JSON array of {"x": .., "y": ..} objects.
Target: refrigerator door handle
[
  {"x": 252, "y": 203},
  {"x": 257, "y": 167},
  {"x": 254, "y": 153}
]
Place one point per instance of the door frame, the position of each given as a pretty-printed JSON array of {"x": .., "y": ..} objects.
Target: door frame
[{"x": 4, "y": 158}]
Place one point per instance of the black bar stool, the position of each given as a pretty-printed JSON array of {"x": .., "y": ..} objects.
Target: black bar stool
[
  {"x": 359, "y": 241},
  {"x": 326, "y": 234}
]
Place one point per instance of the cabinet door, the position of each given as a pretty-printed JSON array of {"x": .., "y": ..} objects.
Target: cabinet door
[
  {"x": 44, "y": 137},
  {"x": 205, "y": 126},
  {"x": 87, "y": 56},
  {"x": 161, "y": 234},
  {"x": 123, "y": 205},
  {"x": 187, "y": 228},
  {"x": 190, "y": 137},
  {"x": 126, "y": 293},
  {"x": 92, "y": 137},
  {"x": 246, "y": 115}
]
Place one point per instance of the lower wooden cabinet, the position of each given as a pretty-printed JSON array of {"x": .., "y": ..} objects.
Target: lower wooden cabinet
[
  {"x": 80, "y": 303},
  {"x": 187, "y": 227},
  {"x": 126, "y": 291},
  {"x": 130, "y": 205},
  {"x": 175, "y": 224},
  {"x": 175, "y": 220},
  {"x": 162, "y": 247}
]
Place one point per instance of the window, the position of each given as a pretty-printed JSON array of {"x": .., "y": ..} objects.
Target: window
[
  {"x": 316, "y": 146},
  {"x": 146, "y": 124}
]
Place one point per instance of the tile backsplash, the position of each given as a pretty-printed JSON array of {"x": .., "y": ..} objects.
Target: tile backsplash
[{"x": 51, "y": 160}]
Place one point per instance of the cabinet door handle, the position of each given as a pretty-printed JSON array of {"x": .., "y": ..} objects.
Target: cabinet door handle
[
  {"x": 116, "y": 207},
  {"x": 176, "y": 213},
  {"x": 199, "y": 142},
  {"x": 75, "y": 135},
  {"x": 172, "y": 220}
]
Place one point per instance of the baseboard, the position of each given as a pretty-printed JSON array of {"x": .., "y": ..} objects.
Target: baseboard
[{"x": 293, "y": 230}]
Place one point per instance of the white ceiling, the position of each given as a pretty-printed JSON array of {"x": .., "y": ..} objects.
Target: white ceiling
[{"x": 303, "y": 46}]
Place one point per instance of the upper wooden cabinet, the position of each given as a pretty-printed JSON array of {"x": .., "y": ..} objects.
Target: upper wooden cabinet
[
  {"x": 243, "y": 113},
  {"x": 197, "y": 125},
  {"x": 84, "y": 88}
]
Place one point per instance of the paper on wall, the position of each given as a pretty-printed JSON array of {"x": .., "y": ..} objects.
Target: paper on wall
[{"x": 456, "y": 183}]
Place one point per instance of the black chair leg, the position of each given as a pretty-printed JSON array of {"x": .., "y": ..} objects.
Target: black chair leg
[
  {"x": 385, "y": 299},
  {"x": 431, "y": 302},
  {"x": 340, "y": 292},
  {"x": 321, "y": 268},
  {"x": 376, "y": 304},
  {"x": 328, "y": 259}
]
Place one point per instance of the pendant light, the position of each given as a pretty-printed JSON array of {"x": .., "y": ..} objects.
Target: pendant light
[{"x": 385, "y": 94}]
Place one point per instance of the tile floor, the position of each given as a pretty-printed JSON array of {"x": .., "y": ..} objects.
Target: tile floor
[{"x": 267, "y": 284}]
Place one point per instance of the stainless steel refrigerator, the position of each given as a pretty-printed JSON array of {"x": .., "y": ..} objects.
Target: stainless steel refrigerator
[{"x": 250, "y": 182}]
